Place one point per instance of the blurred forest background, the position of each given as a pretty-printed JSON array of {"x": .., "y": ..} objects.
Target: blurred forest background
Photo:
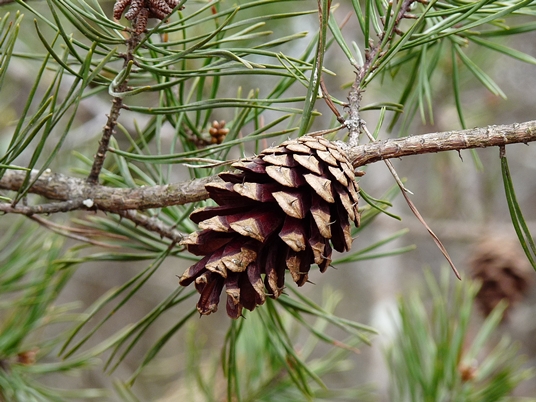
[{"x": 463, "y": 202}]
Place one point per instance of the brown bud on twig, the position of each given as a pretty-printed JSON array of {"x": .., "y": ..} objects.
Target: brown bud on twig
[{"x": 218, "y": 132}]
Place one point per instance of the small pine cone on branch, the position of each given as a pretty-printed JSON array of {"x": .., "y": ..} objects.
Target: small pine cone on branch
[
  {"x": 285, "y": 209},
  {"x": 139, "y": 11}
]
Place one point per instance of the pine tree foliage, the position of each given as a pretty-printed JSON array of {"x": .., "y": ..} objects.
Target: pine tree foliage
[
  {"x": 212, "y": 82},
  {"x": 436, "y": 356},
  {"x": 32, "y": 278}
]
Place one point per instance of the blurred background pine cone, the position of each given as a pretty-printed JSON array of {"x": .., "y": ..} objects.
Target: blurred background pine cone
[{"x": 504, "y": 271}]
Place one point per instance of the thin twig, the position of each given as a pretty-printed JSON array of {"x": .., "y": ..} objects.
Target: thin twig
[
  {"x": 115, "y": 110},
  {"x": 325, "y": 93},
  {"x": 430, "y": 231},
  {"x": 414, "y": 209},
  {"x": 374, "y": 53},
  {"x": 209, "y": 163},
  {"x": 64, "y": 206},
  {"x": 327, "y": 98},
  {"x": 373, "y": 56},
  {"x": 153, "y": 225}
]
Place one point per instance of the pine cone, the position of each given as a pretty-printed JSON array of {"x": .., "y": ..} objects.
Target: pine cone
[
  {"x": 286, "y": 209},
  {"x": 504, "y": 271},
  {"x": 141, "y": 10}
]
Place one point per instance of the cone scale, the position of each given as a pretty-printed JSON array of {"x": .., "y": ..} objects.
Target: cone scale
[{"x": 284, "y": 209}]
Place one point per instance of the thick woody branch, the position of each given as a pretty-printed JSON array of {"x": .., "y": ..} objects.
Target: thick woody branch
[
  {"x": 446, "y": 141},
  {"x": 75, "y": 192},
  {"x": 64, "y": 188}
]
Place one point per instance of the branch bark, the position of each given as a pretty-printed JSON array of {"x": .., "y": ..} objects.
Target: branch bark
[
  {"x": 115, "y": 110},
  {"x": 445, "y": 141},
  {"x": 79, "y": 194},
  {"x": 59, "y": 187}
]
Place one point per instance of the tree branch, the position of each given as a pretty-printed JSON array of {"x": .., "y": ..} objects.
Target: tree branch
[
  {"x": 115, "y": 110},
  {"x": 446, "y": 141},
  {"x": 55, "y": 186},
  {"x": 153, "y": 225},
  {"x": 373, "y": 56},
  {"x": 77, "y": 192},
  {"x": 63, "y": 206}
]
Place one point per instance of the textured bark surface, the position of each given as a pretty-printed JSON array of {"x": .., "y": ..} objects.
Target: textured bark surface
[
  {"x": 446, "y": 141},
  {"x": 60, "y": 187}
]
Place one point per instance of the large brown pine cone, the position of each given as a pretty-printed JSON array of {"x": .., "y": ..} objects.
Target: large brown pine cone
[{"x": 286, "y": 209}]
